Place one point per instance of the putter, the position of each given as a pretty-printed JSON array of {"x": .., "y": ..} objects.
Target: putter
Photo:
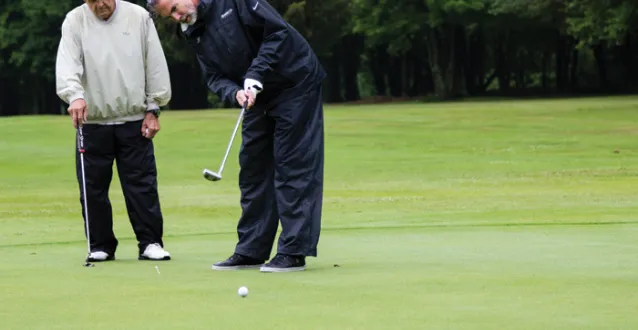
[
  {"x": 86, "y": 209},
  {"x": 216, "y": 176}
]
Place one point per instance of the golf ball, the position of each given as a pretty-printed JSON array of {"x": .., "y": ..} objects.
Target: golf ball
[{"x": 243, "y": 291}]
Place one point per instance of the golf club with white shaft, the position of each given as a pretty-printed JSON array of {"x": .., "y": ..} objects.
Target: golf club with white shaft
[
  {"x": 212, "y": 176},
  {"x": 80, "y": 141}
]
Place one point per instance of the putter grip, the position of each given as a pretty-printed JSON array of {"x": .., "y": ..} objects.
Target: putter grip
[{"x": 80, "y": 140}]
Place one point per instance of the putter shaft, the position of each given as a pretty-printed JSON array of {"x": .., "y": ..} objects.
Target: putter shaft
[
  {"x": 218, "y": 176},
  {"x": 86, "y": 206}
]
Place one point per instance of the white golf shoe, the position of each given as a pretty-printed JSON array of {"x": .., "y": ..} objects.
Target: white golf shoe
[
  {"x": 98, "y": 256},
  {"x": 155, "y": 252}
]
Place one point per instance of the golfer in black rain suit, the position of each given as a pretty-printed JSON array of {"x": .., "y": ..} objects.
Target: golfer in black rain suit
[{"x": 248, "y": 53}]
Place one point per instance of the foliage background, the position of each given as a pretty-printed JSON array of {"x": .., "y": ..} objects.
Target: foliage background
[{"x": 379, "y": 49}]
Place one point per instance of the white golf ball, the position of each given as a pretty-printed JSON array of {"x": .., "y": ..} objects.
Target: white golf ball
[{"x": 243, "y": 291}]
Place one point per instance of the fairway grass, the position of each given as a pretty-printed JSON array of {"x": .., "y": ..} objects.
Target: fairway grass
[{"x": 464, "y": 215}]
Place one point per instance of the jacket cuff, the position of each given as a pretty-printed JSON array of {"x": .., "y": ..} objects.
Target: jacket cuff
[
  {"x": 76, "y": 96},
  {"x": 232, "y": 96},
  {"x": 152, "y": 106}
]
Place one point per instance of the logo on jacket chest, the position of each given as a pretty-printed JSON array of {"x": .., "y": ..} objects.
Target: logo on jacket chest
[{"x": 227, "y": 13}]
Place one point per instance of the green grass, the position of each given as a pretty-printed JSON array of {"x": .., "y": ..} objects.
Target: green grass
[{"x": 474, "y": 215}]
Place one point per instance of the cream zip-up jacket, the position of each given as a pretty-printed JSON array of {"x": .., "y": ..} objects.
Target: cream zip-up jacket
[{"x": 117, "y": 66}]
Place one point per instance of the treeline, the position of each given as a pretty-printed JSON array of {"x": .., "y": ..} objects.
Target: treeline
[{"x": 379, "y": 48}]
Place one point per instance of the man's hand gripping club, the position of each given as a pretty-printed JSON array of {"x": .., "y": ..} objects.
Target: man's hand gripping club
[
  {"x": 249, "y": 94},
  {"x": 77, "y": 110}
]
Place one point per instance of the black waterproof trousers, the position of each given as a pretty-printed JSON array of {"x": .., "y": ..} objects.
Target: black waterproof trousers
[
  {"x": 281, "y": 177},
  {"x": 135, "y": 159}
]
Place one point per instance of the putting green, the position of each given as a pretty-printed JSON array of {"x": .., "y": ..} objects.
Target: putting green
[{"x": 469, "y": 215}]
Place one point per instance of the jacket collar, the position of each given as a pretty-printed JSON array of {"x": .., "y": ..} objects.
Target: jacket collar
[
  {"x": 203, "y": 12},
  {"x": 204, "y": 8}
]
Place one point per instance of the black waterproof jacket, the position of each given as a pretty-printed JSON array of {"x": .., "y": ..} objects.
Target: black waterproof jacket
[{"x": 239, "y": 39}]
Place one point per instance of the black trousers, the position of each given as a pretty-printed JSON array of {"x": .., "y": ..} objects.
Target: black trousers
[
  {"x": 135, "y": 159},
  {"x": 281, "y": 177}
]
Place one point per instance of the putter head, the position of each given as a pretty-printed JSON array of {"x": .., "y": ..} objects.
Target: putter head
[
  {"x": 88, "y": 264},
  {"x": 211, "y": 176}
]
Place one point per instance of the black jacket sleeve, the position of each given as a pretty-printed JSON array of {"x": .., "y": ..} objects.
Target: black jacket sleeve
[
  {"x": 216, "y": 82},
  {"x": 261, "y": 15}
]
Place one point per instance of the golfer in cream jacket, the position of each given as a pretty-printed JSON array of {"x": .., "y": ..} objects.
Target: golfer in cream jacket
[{"x": 111, "y": 70}]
